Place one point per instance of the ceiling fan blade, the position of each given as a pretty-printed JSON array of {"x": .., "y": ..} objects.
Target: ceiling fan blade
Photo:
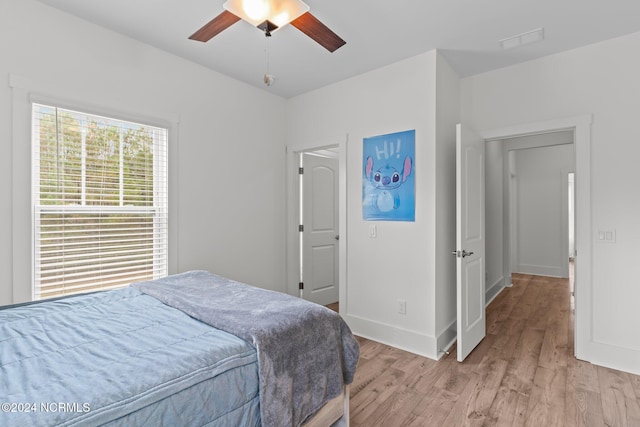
[
  {"x": 311, "y": 26},
  {"x": 215, "y": 26}
]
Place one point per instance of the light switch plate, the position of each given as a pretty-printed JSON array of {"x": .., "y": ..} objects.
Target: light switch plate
[
  {"x": 402, "y": 306},
  {"x": 607, "y": 236}
]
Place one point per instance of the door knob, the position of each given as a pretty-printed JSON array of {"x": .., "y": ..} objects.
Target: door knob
[
  {"x": 461, "y": 254},
  {"x": 337, "y": 237}
]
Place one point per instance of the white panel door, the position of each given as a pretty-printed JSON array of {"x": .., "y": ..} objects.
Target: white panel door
[
  {"x": 470, "y": 261},
  {"x": 320, "y": 235}
]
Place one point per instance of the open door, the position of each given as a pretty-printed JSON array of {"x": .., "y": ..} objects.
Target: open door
[
  {"x": 470, "y": 261},
  {"x": 320, "y": 229}
]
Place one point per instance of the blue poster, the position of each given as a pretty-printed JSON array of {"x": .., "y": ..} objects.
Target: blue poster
[{"x": 388, "y": 182}]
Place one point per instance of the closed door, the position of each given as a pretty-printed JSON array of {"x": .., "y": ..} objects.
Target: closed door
[{"x": 320, "y": 229}]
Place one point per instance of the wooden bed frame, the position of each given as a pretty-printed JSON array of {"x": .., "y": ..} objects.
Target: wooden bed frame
[{"x": 335, "y": 413}]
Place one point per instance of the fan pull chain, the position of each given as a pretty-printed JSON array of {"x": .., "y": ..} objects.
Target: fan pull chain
[{"x": 268, "y": 78}]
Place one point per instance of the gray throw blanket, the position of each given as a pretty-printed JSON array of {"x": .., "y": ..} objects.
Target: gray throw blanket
[{"x": 306, "y": 352}]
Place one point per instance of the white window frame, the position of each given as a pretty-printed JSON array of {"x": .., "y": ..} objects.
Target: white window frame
[{"x": 25, "y": 92}]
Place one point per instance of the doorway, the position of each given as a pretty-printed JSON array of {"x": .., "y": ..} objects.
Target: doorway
[
  {"x": 580, "y": 126},
  {"x": 319, "y": 226},
  {"x": 335, "y": 146},
  {"x": 537, "y": 223}
]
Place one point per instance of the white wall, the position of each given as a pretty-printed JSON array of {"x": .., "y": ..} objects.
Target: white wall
[
  {"x": 447, "y": 116},
  {"x": 401, "y": 262},
  {"x": 572, "y": 217},
  {"x": 541, "y": 210},
  {"x": 230, "y": 161},
  {"x": 602, "y": 80},
  {"x": 494, "y": 219}
]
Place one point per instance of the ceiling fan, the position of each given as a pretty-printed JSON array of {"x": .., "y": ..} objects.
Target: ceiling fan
[{"x": 269, "y": 15}]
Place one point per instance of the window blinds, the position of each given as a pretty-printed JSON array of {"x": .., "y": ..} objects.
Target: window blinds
[{"x": 100, "y": 202}]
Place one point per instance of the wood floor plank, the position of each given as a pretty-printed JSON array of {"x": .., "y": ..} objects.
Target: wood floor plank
[
  {"x": 433, "y": 409},
  {"x": 460, "y": 414},
  {"x": 485, "y": 393},
  {"x": 414, "y": 364},
  {"x": 526, "y": 303},
  {"x": 368, "y": 371},
  {"x": 380, "y": 390},
  {"x": 538, "y": 316},
  {"x": 509, "y": 407},
  {"x": 369, "y": 349},
  {"x": 502, "y": 305},
  {"x": 475, "y": 359},
  {"x": 571, "y": 410},
  {"x": 585, "y": 376},
  {"x": 453, "y": 380},
  {"x": 505, "y": 345},
  {"x": 515, "y": 292},
  {"x": 588, "y": 410},
  {"x": 547, "y": 403},
  {"x": 555, "y": 345},
  {"x": 635, "y": 383},
  {"x": 523, "y": 373},
  {"x": 620, "y": 405},
  {"x": 394, "y": 411},
  {"x": 425, "y": 381}
]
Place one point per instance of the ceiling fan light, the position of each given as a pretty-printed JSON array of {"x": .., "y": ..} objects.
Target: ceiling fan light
[
  {"x": 256, "y": 9},
  {"x": 255, "y": 12},
  {"x": 281, "y": 19}
]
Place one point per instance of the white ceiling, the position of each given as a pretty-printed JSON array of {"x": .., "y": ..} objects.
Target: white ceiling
[{"x": 377, "y": 32}]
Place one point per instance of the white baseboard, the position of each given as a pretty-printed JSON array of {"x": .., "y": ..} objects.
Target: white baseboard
[
  {"x": 404, "y": 339},
  {"x": 611, "y": 356},
  {"x": 492, "y": 292},
  {"x": 446, "y": 339},
  {"x": 541, "y": 270},
  {"x": 412, "y": 341}
]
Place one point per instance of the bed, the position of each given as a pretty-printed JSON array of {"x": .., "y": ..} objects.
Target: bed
[{"x": 193, "y": 349}]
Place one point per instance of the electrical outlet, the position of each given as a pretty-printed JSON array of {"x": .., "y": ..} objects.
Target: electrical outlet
[{"x": 402, "y": 306}]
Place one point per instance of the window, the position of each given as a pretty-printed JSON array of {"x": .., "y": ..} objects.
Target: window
[{"x": 99, "y": 202}]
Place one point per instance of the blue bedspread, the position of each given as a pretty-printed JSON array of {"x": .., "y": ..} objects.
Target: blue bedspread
[
  {"x": 122, "y": 358},
  {"x": 306, "y": 352}
]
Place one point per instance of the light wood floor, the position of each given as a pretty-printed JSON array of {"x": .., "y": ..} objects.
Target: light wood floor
[{"x": 522, "y": 374}]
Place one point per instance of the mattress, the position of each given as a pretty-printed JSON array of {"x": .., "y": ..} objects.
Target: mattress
[
  {"x": 122, "y": 358},
  {"x": 306, "y": 352}
]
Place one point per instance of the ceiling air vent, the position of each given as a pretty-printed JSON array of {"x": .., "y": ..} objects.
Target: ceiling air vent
[{"x": 522, "y": 39}]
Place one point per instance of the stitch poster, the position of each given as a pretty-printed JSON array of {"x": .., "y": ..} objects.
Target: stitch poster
[{"x": 388, "y": 182}]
